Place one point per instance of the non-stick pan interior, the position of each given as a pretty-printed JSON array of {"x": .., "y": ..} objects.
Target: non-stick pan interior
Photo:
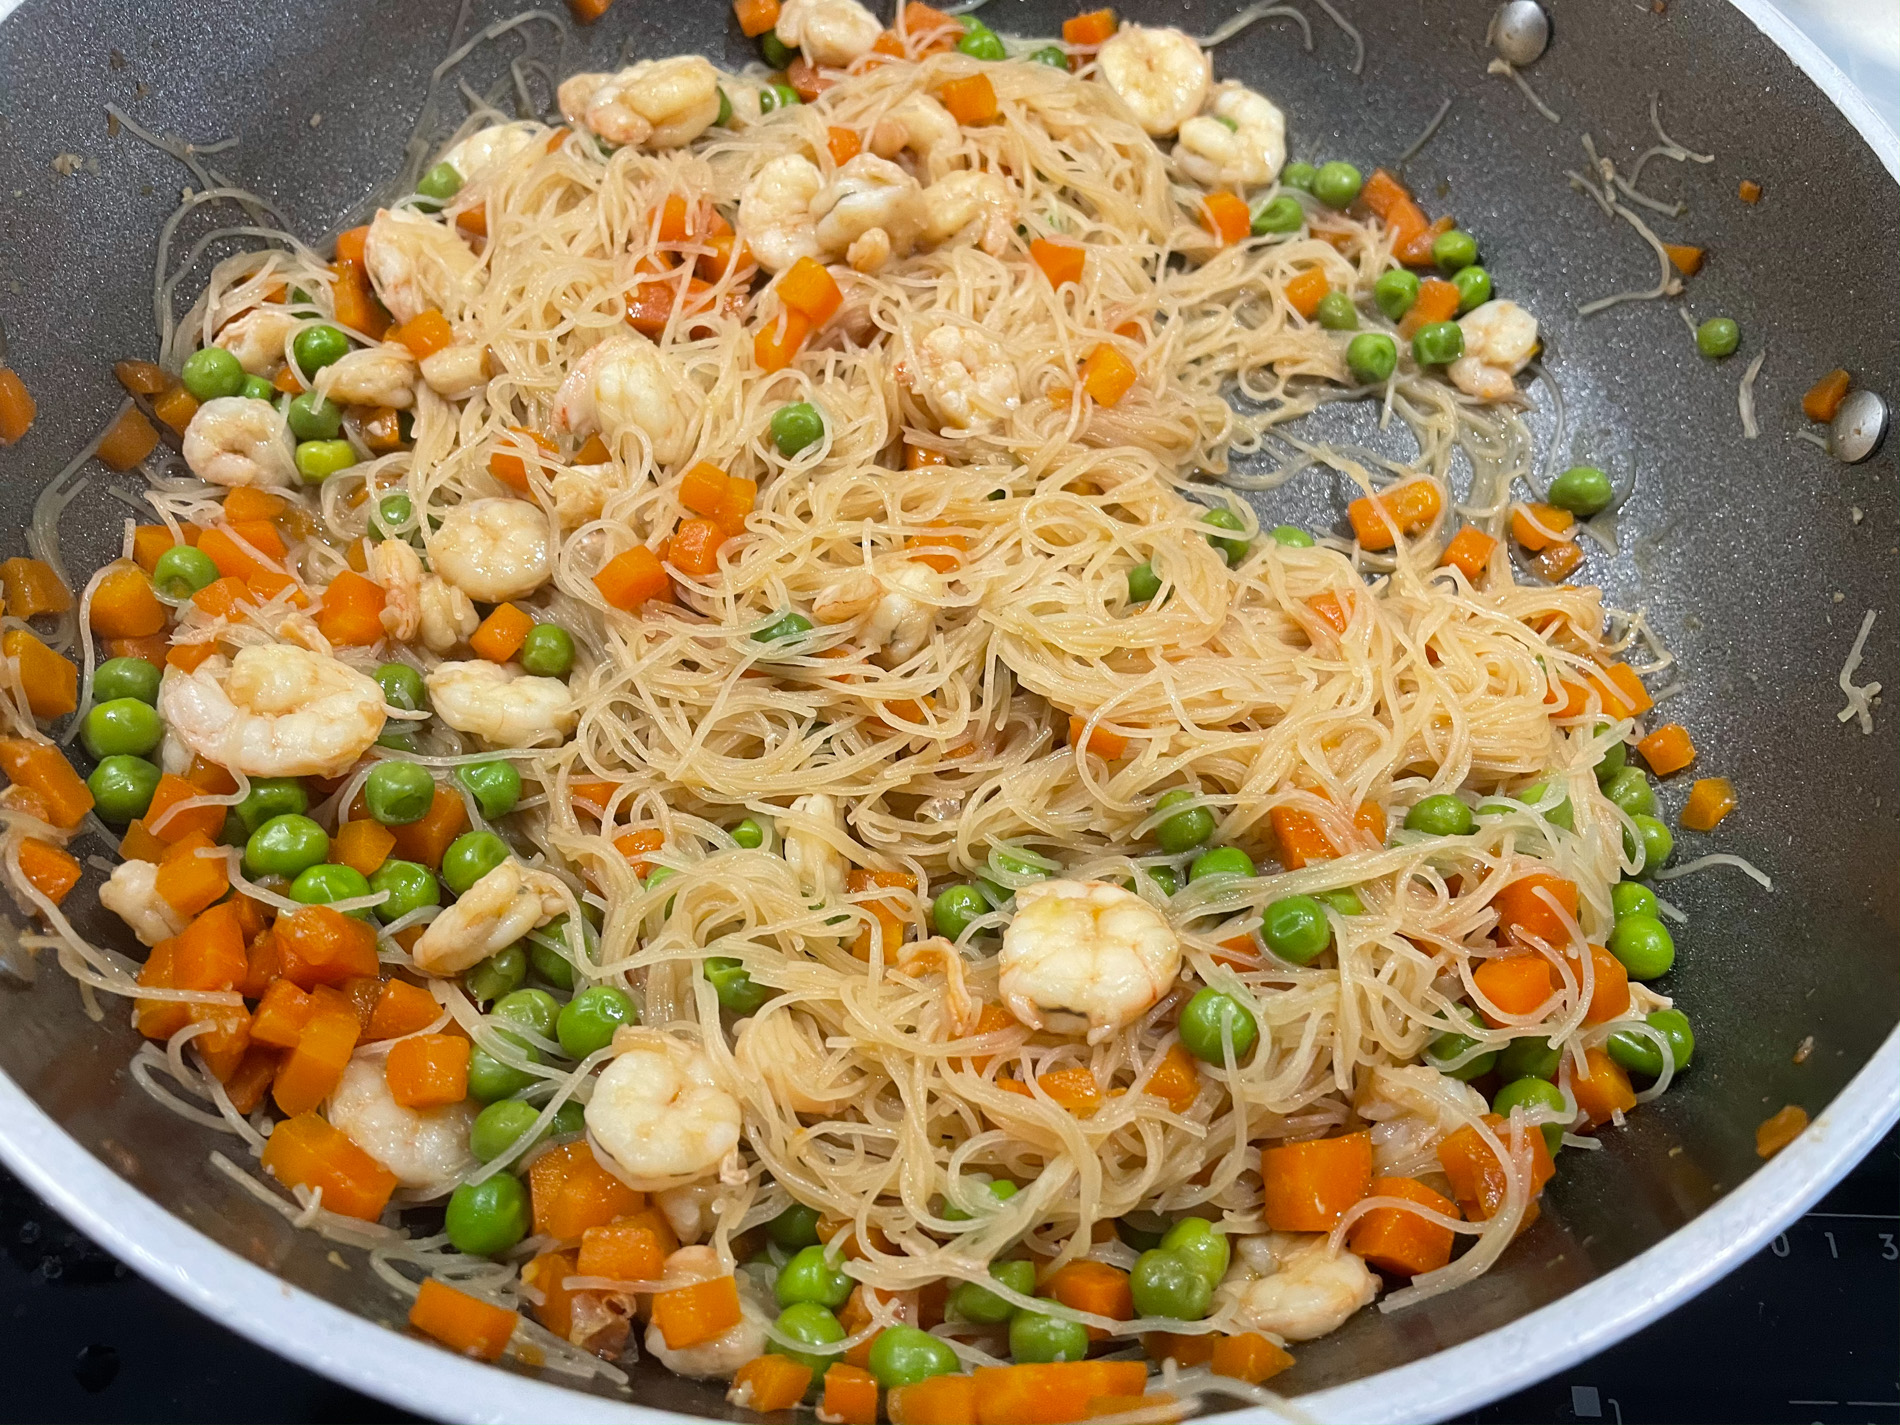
[{"x": 1753, "y": 560}]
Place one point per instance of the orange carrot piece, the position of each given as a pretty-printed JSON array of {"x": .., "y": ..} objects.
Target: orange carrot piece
[
  {"x": 1540, "y": 526},
  {"x": 971, "y": 100},
  {"x": 940, "y": 1400},
  {"x": 586, "y": 12},
  {"x": 1309, "y": 1186},
  {"x": 1304, "y": 290},
  {"x": 33, "y": 588},
  {"x": 806, "y": 287},
  {"x": 321, "y": 946},
  {"x": 1060, "y": 261},
  {"x": 1411, "y": 506},
  {"x": 149, "y": 541},
  {"x": 1667, "y": 749},
  {"x": 1092, "y": 28},
  {"x": 428, "y": 1070},
  {"x": 312, "y": 1070},
  {"x": 622, "y": 1251},
  {"x": 362, "y": 845},
  {"x": 629, "y": 580},
  {"x": 1604, "y": 1091},
  {"x": 1047, "y": 1394},
  {"x": 17, "y": 407},
  {"x": 1227, "y": 217},
  {"x": 1685, "y": 259},
  {"x": 233, "y": 559},
  {"x": 129, "y": 440},
  {"x": 124, "y": 605},
  {"x": 1823, "y": 400},
  {"x": 1250, "y": 1356},
  {"x": 1626, "y": 696},
  {"x": 1610, "y": 997},
  {"x": 1710, "y": 799},
  {"x": 252, "y": 1080},
  {"x": 1477, "y": 1177},
  {"x": 176, "y": 408},
  {"x": 776, "y": 343},
  {"x": 401, "y": 1009},
  {"x": 755, "y": 16},
  {"x": 1401, "y": 1242},
  {"x": 351, "y": 244},
  {"x": 1107, "y": 375},
  {"x": 1469, "y": 551},
  {"x": 1110, "y": 746},
  {"x": 1779, "y": 1130},
  {"x": 1437, "y": 302},
  {"x": 1300, "y": 837},
  {"x": 843, "y": 144},
  {"x": 142, "y": 378},
  {"x": 502, "y": 633},
  {"x": 693, "y": 1315},
  {"x": 850, "y": 1395},
  {"x": 1523, "y": 911},
  {"x": 1557, "y": 563},
  {"x": 39, "y": 767},
  {"x": 426, "y": 840},
  {"x": 1073, "y": 1089},
  {"x": 51, "y": 680},
  {"x": 703, "y": 488},
  {"x": 305, "y": 1151},
  {"x": 1389, "y": 201},
  {"x": 695, "y": 547},
  {"x": 571, "y": 1192},
  {"x": 1515, "y": 984},
  {"x": 1176, "y": 1079},
  {"x": 48, "y": 869},
  {"x": 176, "y": 826},
  {"x": 159, "y": 1018},
  {"x": 1330, "y": 611},
  {"x": 190, "y": 883},
  {"x": 351, "y": 611},
  {"x": 281, "y": 1015},
  {"x": 463, "y": 1323},
  {"x": 1749, "y": 191},
  {"x": 767, "y": 1383},
  {"x": 425, "y": 334},
  {"x": 1094, "y": 1287}
]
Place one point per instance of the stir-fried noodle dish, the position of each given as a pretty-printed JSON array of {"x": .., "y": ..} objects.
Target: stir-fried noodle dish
[{"x": 706, "y": 758}]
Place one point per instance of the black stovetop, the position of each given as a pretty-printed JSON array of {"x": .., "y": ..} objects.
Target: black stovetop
[{"x": 1808, "y": 1331}]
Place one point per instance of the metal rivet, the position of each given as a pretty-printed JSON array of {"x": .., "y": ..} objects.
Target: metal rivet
[
  {"x": 1859, "y": 427},
  {"x": 1519, "y": 31}
]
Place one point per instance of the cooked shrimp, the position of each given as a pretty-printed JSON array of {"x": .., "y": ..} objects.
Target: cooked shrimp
[
  {"x": 1240, "y": 142},
  {"x": 233, "y": 440},
  {"x": 494, "y": 549},
  {"x": 456, "y": 372},
  {"x": 691, "y": 1209},
  {"x": 902, "y": 620},
  {"x": 659, "y": 1109},
  {"x": 626, "y": 383},
  {"x": 964, "y": 376},
  {"x": 1290, "y": 1284},
  {"x": 502, "y": 705},
  {"x": 850, "y": 596},
  {"x": 722, "y": 1356},
  {"x": 396, "y": 568},
  {"x": 580, "y": 492},
  {"x": 488, "y": 917},
  {"x": 1412, "y": 1108},
  {"x": 972, "y": 206},
  {"x": 775, "y": 211},
  {"x": 1500, "y": 340},
  {"x": 491, "y": 147},
  {"x": 938, "y": 955},
  {"x": 423, "y": 1147},
  {"x": 445, "y": 615},
  {"x": 274, "y": 711},
  {"x": 371, "y": 376},
  {"x": 832, "y": 32},
  {"x": 656, "y": 104},
  {"x": 416, "y": 263},
  {"x": 1085, "y": 954},
  {"x": 870, "y": 194},
  {"x": 921, "y": 125},
  {"x": 816, "y": 863},
  {"x": 783, "y": 1053},
  {"x": 1160, "y": 75},
  {"x": 257, "y": 337},
  {"x": 132, "y": 895}
]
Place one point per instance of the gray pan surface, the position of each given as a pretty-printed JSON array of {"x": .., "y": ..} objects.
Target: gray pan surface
[{"x": 1754, "y": 560}]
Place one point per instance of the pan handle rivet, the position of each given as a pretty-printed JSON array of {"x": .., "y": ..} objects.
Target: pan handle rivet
[
  {"x": 1859, "y": 427},
  {"x": 1519, "y": 31}
]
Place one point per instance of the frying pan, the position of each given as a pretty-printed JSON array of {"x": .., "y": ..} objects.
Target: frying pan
[{"x": 1753, "y": 559}]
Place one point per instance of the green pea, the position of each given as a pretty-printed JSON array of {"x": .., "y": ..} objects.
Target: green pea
[
  {"x": 738, "y": 992},
  {"x": 1290, "y": 536},
  {"x": 1638, "y": 1052},
  {"x": 1299, "y": 175},
  {"x": 1395, "y": 292},
  {"x": 1448, "y": 1045},
  {"x": 587, "y": 1022},
  {"x": 256, "y": 388},
  {"x": 1454, "y": 250},
  {"x": 955, "y": 907},
  {"x": 318, "y": 460},
  {"x": 490, "y": 1079},
  {"x": 1055, "y": 56},
  {"x": 1336, "y": 312},
  {"x": 232, "y": 833},
  {"x": 999, "y": 1189},
  {"x": 182, "y": 571},
  {"x": 402, "y": 687},
  {"x": 1438, "y": 344},
  {"x": 1559, "y": 815},
  {"x": 1532, "y": 1057},
  {"x": 496, "y": 785},
  {"x": 441, "y": 183},
  {"x": 393, "y": 517},
  {"x": 399, "y": 739},
  {"x": 1221, "y": 861},
  {"x": 126, "y": 678},
  {"x": 1612, "y": 761},
  {"x": 1186, "y": 829},
  {"x": 550, "y": 962},
  {"x": 1143, "y": 583},
  {"x": 548, "y": 651},
  {"x": 211, "y": 372},
  {"x": 531, "y": 1009},
  {"x": 777, "y": 96},
  {"x": 1440, "y": 815},
  {"x": 1372, "y": 357},
  {"x": 1337, "y": 184},
  {"x": 471, "y": 856},
  {"x": 1164, "y": 878},
  {"x": 1718, "y": 337},
  {"x": 1282, "y": 214},
  {"x": 1533, "y": 1094},
  {"x": 398, "y": 793},
  {"x": 1203, "y": 1245},
  {"x": 500, "y": 1126},
  {"x": 570, "y": 1119},
  {"x": 1345, "y": 901},
  {"x": 983, "y": 1306},
  {"x": 486, "y": 1218},
  {"x": 314, "y": 417},
  {"x": 1296, "y": 929},
  {"x": 499, "y": 975},
  {"x": 786, "y": 628},
  {"x": 1232, "y": 550},
  {"x": 1035, "y": 1338},
  {"x": 1584, "y": 490},
  {"x": 724, "y": 118},
  {"x": 1633, "y": 898},
  {"x": 122, "y": 787},
  {"x": 327, "y": 883},
  {"x": 317, "y": 347},
  {"x": 286, "y": 846},
  {"x": 777, "y": 53},
  {"x": 980, "y": 41},
  {"x": 795, "y": 426},
  {"x": 1474, "y": 288},
  {"x": 903, "y": 1355},
  {"x": 1141, "y": 1230},
  {"x": 810, "y": 1276},
  {"x": 1204, "y": 1019},
  {"x": 795, "y": 1227},
  {"x": 1631, "y": 791},
  {"x": 1167, "y": 1284},
  {"x": 1658, "y": 843},
  {"x": 272, "y": 796},
  {"x": 122, "y": 727},
  {"x": 749, "y": 835},
  {"x": 813, "y": 1325},
  {"x": 1644, "y": 945}
]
